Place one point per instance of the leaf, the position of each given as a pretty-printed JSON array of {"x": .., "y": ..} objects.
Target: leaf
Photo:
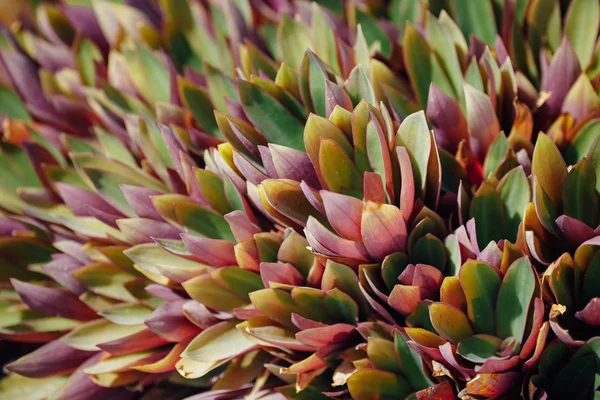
[
  {"x": 219, "y": 342},
  {"x": 495, "y": 155},
  {"x": 148, "y": 73},
  {"x": 337, "y": 169},
  {"x": 575, "y": 380},
  {"x": 359, "y": 87},
  {"x": 286, "y": 197},
  {"x": 220, "y": 86},
  {"x": 488, "y": 210},
  {"x": 422, "y": 66},
  {"x": 450, "y": 322},
  {"x": 374, "y": 32},
  {"x": 443, "y": 47},
  {"x": 202, "y": 221},
  {"x": 16, "y": 386},
  {"x": 86, "y": 54},
  {"x": 383, "y": 229},
  {"x": 515, "y": 194},
  {"x": 274, "y": 121},
  {"x": 148, "y": 256},
  {"x": 105, "y": 279},
  {"x": 88, "y": 336},
  {"x": 275, "y": 304},
  {"x": 479, "y": 348},
  {"x": 583, "y": 142},
  {"x": 413, "y": 134},
  {"x": 293, "y": 39},
  {"x": 581, "y": 27},
  {"x": 127, "y": 314},
  {"x": 482, "y": 120},
  {"x": 579, "y": 196},
  {"x": 514, "y": 300},
  {"x": 198, "y": 102},
  {"x": 381, "y": 353},
  {"x": 412, "y": 364},
  {"x": 208, "y": 292},
  {"x": 11, "y": 105},
  {"x": 480, "y": 283},
  {"x": 370, "y": 384},
  {"x": 429, "y": 250},
  {"x": 549, "y": 168},
  {"x": 477, "y": 18}
]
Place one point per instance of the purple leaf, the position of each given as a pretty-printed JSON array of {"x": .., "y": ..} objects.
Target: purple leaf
[
  {"x": 449, "y": 123},
  {"x": 344, "y": 214},
  {"x": 54, "y": 358},
  {"x": 53, "y": 301},
  {"x": 218, "y": 253},
  {"x": 169, "y": 322},
  {"x": 284, "y": 273}
]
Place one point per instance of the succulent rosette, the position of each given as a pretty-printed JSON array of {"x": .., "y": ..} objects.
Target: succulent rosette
[{"x": 290, "y": 199}]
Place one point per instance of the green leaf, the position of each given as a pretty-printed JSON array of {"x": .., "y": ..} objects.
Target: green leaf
[
  {"x": 381, "y": 353},
  {"x": 148, "y": 73},
  {"x": 514, "y": 300},
  {"x": 219, "y": 87},
  {"x": 293, "y": 39},
  {"x": 413, "y": 134},
  {"x": 202, "y": 221},
  {"x": 148, "y": 255},
  {"x": 442, "y": 46},
  {"x": 219, "y": 342},
  {"x": 374, "y": 32},
  {"x": 114, "y": 148},
  {"x": 496, "y": 154},
  {"x": 545, "y": 209},
  {"x": 199, "y": 103},
  {"x": 575, "y": 380},
  {"x": 488, "y": 210},
  {"x": 324, "y": 39},
  {"x": 275, "y": 122},
  {"x": 515, "y": 194},
  {"x": 580, "y": 200},
  {"x": 276, "y": 304},
  {"x": 480, "y": 283},
  {"x": 87, "y": 336},
  {"x": 106, "y": 279},
  {"x": 478, "y": 348},
  {"x": 392, "y": 267},
  {"x": 11, "y": 105},
  {"x": 583, "y": 142},
  {"x": 429, "y": 250},
  {"x": 370, "y": 384},
  {"x": 477, "y": 18},
  {"x": 581, "y": 27},
  {"x": 127, "y": 314},
  {"x": 341, "y": 306},
  {"x": 422, "y": 66},
  {"x": 412, "y": 364},
  {"x": 359, "y": 87},
  {"x": 86, "y": 54}
]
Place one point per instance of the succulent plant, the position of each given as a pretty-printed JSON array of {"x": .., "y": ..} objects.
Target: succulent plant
[{"x": 304, "y": 200}]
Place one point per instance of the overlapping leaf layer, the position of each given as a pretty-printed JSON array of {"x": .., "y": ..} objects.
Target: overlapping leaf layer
[{"x": 305, "y": 200}]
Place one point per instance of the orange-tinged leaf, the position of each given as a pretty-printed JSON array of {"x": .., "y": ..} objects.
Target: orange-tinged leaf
[
  {"x": 383, "y": 229},
  {"x": 450, "y": 322},
  {"x": 549, "y": 168},
  {"x": 370, "y": 384}
]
